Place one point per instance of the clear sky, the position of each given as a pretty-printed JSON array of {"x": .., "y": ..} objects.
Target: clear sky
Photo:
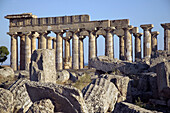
[{"x": 138, "y": 11}]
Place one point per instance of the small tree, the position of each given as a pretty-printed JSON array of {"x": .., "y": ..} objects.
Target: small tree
[{"x": 3, "y": 54}]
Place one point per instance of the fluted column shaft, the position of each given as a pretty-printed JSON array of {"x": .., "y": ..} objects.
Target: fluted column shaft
[
  {"x": 137, "y": 45},
  {"x": 166, "y": 27},
  {"x": 49, "y": 42},
  {"x": 154, "y": 40},
  {"x": 54, "y": 43},
  {"x": 27, "y": 50},
  {"x": 13, "y": 57},
  {"x": 67, "y": 53},
  {"x": 122, "y": 47},
  {"x": 128, "y": 43},
  {"x": 22, "y": 52},
  {"x": 92, "y": 46},
  {"x": 59, "y": 51},
  {"x": 109, "y": 42},
  {"x": 147, "y": 39},
  {"x": 81, "y": 52},
  {"x": 75, "y": 51}
]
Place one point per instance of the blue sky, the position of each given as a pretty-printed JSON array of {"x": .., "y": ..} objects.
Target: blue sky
[{"x": 138, "y": 11}]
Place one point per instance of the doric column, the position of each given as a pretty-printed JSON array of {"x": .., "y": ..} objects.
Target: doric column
[
  {"x": 33, "y": 41},
  {"x": 81, "y": 51},
  {"x": 59, "y": 50},
  {"x": 43, "y": 39},
  {"x": 137, "y": 45},
  {"x": 109, "y": 42},
  {"x": 13, "y": 57},
  {"x": 54, "y": 43},
  {"x": 96, "y": 43},
  {"x": 154, "y": 40},
  {"x": 49, "y": 42},
  {"x": 166, "y": 27},
  {"x": 128, "y": 43},
  {"x": 147, "y": 39},
  {"x": 92, "y": 46},
  {"x": 22, "y": 51},
  {"x": 67, "y": 53},
  {"x": 28, "y": 36},
  {"x": 75, "y": 51},
  {"x": 121, "y": 47}
]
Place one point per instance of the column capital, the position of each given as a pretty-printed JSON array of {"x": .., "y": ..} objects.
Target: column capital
[
  {"x": 50, "y": 38},
  {"x": 137, "y": 34},
  {"x": 120, "y": 36},
  {"x": 27, "y": 33},
  {"x": 12, "y": 33},
  {"x": 110, "y": 29},
  {"x": 43, "y": 32},
  {"x": 82, "y": 37},
  {"x": 58, "y": 31},
  {"x": 135, "y": 30},
  {"x": 147, "y": 26},
  {"x": 154, "y": 33},
  {"x": 166, "y": 25},
  {"x": 129, "y": 27},
  {"x": 35, "y": 34}
]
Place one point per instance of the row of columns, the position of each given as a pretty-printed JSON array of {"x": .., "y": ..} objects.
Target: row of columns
[{"x": 28, "y": 45}]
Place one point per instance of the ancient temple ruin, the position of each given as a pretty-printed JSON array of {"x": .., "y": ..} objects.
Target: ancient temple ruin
[{"x": 28, "y": 28}]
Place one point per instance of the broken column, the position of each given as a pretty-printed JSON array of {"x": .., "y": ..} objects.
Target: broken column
[
  {"x": 81, "y": 52},
  {"x": 49, "y": 42},
  {"x": 137, "y": 45},
  {"x": 59, "y": 50},
  {"x": 92, "y": 46},
  {"x": 128, "y": 43},
  {"x": 75, "y": 51},
  {"x": 13, "y": 51},
  {"x": 166, "y": 27},
  {"x": 22, "y": 51},
  {"x": 154, "y": 40},
  {"x": 147, "y": 39},
  {"x": 27, "y": 49},
  {"x": 109, "y": 42}
]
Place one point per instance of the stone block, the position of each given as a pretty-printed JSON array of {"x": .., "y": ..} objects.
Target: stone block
[{"x": 43, "y": 66}]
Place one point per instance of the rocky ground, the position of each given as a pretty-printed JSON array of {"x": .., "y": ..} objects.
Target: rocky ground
[{"x": 110, "y": 85}]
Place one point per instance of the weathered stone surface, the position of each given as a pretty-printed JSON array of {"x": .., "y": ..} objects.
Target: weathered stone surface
[
  {"x": 43, "y": 67},
  {"x": 22, "y": 74},
  {"x": 158, "y": 102},
  {"x": 105, "y": 64},
  {"x": 100, "y": 96},
  {"x": 123, "y": 85},
  {"x": 163, "y": 78},
  {"x": 6, "y": 71},
  {"x": 22, "y": 101},
  {"x": 63, "y": 76},
  {"x": 42, "y": 106},
  {"x": 6, "y": 101},
  {"x": 124, "y": 107},
  {"x": 65, "y": 98}
]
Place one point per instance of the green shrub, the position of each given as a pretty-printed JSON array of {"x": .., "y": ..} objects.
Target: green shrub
[{"x": 3, "y": 54}]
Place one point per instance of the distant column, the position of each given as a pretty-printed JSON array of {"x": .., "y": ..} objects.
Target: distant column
[
  {"x": 33, "y": 41},
  {"x": 75, "y": 52},
  {"x": 154, "y": 40},
  {"x": 81, "y": 52},
  {"x": 109, "y": 42},
  {"x": 128, "y": 43},
  {"x": 147, "y": 39},
  {"x": 67, "y": 54},
  {"x": 121, "y": 47},
  {"x": 13, "y": 51},
  {"x": 92, "y": 46},
  {"x": 137, "y": 45},
  {"x": 49, "y": 42},
  {"x": 27, "y": 50},
  {"x": 166, "y": 27},
  {"x": 22, "y": 51},
  {"x": 54, "y": 43},
  {"x": 59, "y": 50}
]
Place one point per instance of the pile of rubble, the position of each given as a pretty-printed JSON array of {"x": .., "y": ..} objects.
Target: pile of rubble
[{"x": 115, "y": 88}]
